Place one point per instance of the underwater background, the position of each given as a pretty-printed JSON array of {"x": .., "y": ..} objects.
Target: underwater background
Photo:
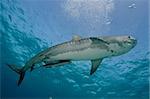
[{"x": 30, "y": 26}]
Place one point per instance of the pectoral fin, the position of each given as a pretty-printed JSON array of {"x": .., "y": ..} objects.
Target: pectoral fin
[{"x": 95, "y": 64}]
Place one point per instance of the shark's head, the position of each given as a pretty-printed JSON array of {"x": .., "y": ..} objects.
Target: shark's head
[{"x": 120, "y": 44}]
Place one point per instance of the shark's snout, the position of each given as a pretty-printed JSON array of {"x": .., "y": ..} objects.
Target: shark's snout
[{"x": 133, "y": 42}]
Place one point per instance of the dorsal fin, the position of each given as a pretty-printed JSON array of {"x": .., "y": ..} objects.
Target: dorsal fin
[
  {"x": 95, "y": 65},
  {"x": 76, "y": 38}
]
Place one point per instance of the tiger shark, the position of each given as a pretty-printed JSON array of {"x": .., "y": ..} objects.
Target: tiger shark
[{"x": 77, "y": 49}]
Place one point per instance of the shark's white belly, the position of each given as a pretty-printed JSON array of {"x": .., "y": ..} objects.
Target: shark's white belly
[{"x": 86, "y": 54}]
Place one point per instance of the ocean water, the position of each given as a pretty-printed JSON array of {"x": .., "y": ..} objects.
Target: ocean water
[{"x": 30, "y": 26}]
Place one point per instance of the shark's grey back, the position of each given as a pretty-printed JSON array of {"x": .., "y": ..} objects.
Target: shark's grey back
[
  {"x": 69, "y": 46},
  {"x": 77, "y": 45}
]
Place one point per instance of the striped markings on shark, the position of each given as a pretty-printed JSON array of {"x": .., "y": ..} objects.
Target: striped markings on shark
[{"x": 78, "y": 49}]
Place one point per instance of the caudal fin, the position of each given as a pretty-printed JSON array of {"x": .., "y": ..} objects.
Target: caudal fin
[{"x": 18, "y": 71}]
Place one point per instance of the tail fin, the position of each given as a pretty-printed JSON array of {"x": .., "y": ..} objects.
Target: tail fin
[{"x": 19, "y": 71}]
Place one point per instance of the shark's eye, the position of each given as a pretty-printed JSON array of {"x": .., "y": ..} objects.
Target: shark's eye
[{"x": 129, "y": 37}]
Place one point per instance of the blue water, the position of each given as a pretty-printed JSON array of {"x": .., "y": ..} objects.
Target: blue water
[{"x": 30, "y": 26}]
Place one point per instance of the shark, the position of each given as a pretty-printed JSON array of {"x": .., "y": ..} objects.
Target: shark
[{"x": 94, "y": 49}]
